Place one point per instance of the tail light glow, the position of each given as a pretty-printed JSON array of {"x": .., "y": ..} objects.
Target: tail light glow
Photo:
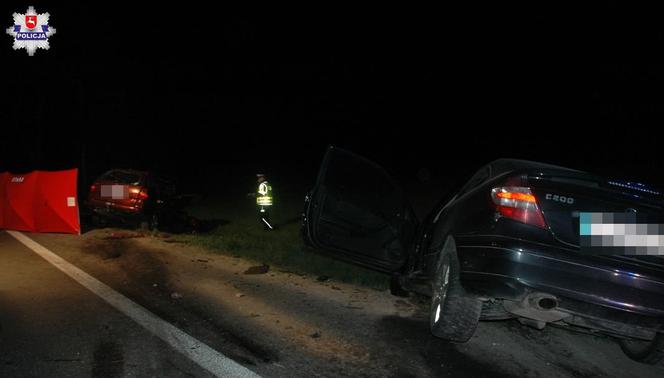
[
  {"x": 138, "y": 192},
  {"x": 518, "y": 196},
  {"x": 518, "y": 203}
]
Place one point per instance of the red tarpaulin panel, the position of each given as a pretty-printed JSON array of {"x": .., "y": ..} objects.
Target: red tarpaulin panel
[
  {"x": 40, "y": 201},
  {"x": 3, "y": 179},
  {"x": 20, "y": 196}
]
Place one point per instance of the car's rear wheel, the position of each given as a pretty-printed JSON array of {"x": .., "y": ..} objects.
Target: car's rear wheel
[
  {"x": 98, "y": 221},
  {"x": 649, "y": 352},
  {"x": 149, "y": 223},
  {"x": 154, "y": 222},
  {"x": 453, "y": 314}
]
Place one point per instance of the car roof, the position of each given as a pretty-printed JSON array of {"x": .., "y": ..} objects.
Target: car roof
[
  {"x": 123, "y": 170},
  {"x": 503, "y": 165}
]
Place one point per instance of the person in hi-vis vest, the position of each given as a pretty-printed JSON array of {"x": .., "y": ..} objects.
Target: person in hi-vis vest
[{"x": 264, "y": 201}]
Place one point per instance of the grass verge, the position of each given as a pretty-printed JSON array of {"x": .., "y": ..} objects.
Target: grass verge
[{"x": 238, "y": 232}]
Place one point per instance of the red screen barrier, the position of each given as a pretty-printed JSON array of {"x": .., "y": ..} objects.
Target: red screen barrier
[{"x": 40, "y": 201}]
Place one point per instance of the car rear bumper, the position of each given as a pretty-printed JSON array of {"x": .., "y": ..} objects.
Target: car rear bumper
[
  {"x": 120, "y": 212},
  {"x": 506, "y": 268}
]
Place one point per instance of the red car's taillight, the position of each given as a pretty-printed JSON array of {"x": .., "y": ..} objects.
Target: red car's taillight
[
  {"x": 518, "y": 203},
  {"x": 138, "y": 192}
]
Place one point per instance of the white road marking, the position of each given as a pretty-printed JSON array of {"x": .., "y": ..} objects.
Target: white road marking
[{"x": 200, "y": 353}]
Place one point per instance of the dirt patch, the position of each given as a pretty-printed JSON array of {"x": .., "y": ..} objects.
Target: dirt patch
[
  {"x": 140, "y": 267},
  {"x": 108, "y": 249},
  {"x": 257, "y": 269},
  {"x": 147, "y": 279},
  {"x": 123, "y": 235}
]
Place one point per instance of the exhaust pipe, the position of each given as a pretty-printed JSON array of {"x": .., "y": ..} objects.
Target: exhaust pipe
[
  {"x": 542, "y": 301},
  {"x": 547, "y": 303},
  {"x": 537, "y": 309}
]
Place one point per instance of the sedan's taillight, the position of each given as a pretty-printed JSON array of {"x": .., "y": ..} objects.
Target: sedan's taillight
[
  {"x": 138, "y": 193},
  {"x": 518, "y": 203}
]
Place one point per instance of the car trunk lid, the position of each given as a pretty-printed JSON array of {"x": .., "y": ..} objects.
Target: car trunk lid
[{"x": 562, "y": 196}]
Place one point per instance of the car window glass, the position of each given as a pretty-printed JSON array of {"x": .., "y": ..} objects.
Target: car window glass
[
  {"x": 128, "y": 178},
  {"x": 363, "y": 183}
]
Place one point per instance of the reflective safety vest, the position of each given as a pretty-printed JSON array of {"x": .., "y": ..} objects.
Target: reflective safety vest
[{"x": 264, "y": 197}]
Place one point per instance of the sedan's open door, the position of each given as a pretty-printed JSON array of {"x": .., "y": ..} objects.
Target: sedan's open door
[{"x": 357, "y": 213}]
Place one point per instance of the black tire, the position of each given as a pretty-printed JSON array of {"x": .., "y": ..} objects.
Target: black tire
[
  {"x": 148, "y": 223},
  {"x": 143, "y": 225},
  {"x": 97, "y": 221},
  {"x": 453, "y": 314},
  {"x": 154, "y": 222},
  {"x": 647, "y": 352},
  {"x": 395, "y": 286}
]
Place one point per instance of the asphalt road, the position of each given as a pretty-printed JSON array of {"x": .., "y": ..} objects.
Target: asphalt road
[
  {"x": 51, "y": 326},
  {"x": 277, "y": 324}
]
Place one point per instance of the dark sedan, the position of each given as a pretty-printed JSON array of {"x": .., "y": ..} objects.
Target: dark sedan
[{"x": 506, "y": 245}]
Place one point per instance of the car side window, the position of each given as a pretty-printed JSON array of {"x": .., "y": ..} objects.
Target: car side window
[
  {"x": 121, "y": 177},
  {"x": 479, "y": 177},
  {"x": 108, "y": 176}
]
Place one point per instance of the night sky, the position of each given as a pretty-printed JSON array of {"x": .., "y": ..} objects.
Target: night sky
[{"x": 206, "y": 92}]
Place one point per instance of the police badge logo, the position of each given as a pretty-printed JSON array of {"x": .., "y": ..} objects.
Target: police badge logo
[{"x": 31, "y": 31}]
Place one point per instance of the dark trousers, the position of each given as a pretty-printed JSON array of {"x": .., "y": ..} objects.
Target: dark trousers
[{"x": 264, "y": 216}]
